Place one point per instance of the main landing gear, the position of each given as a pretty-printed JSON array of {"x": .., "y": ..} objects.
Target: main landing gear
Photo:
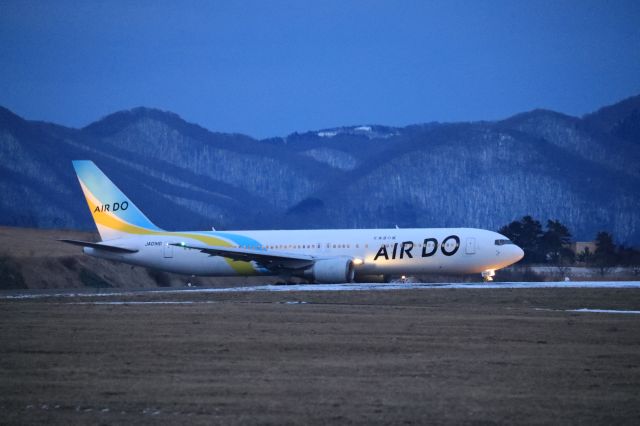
[{"x": 487, "y": 276}]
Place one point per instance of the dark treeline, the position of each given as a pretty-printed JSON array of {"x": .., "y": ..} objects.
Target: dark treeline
[{"x": 553, "y": 246}]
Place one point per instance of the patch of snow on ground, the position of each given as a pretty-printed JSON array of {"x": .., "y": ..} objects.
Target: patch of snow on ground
[
  {"x": 334, "y": 287},
  {"x": 604, "y": 311}
]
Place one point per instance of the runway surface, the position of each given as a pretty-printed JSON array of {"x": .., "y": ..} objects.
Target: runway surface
[{"x": 33, "y": 294}]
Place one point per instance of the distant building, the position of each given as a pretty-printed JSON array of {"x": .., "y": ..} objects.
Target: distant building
[{"x": 581, "y": 246}]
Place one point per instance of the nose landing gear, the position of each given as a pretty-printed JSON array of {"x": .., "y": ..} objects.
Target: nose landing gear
[{"x": 487, "y": 276}]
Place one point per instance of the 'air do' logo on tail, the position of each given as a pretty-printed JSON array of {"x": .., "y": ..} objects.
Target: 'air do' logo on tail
[
  {"x": 113, "y": 212},
  {"x": 113, "y": 208}
]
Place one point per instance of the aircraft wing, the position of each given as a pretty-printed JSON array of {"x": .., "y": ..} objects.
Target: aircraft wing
[
  {"x": 99, "y": 246},
  {"x": 271, "y": 260}
]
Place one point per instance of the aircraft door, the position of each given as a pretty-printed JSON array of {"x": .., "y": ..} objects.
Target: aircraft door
[
  {"x": 168, "y": 250},
  {"x": 470, "y": 246}
]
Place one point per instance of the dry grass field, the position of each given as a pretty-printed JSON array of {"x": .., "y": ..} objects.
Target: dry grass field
[{"x": 436, "y": 356}]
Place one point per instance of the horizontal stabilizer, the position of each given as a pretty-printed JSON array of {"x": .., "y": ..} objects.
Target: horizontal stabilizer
[{"x": 99, "y": 246}]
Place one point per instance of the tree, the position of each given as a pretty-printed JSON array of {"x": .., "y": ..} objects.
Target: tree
[
  {"x": 605, "y": 256},
  {"x": 585, "y": 256},
  {"x": 526, "y": 233},
  {"x": 629, "y": 257},
  {"x": 555, "y": 242}
]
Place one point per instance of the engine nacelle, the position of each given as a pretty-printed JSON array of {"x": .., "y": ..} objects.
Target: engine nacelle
[{"x": 332, "y": 271}]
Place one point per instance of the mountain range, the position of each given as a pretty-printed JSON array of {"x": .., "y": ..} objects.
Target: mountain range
[{"x": 583, "y": 171}]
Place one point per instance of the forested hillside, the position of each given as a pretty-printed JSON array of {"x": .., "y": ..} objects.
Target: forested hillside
[{"x": 584, "y": 172}]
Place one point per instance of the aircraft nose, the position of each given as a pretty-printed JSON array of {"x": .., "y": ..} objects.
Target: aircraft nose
[{"x": 519, "y": 253}]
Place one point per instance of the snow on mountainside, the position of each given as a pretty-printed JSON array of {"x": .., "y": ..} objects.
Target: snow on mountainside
[
  {"x": 583, "y": 171},
  {"x": 370, "y": 132}
]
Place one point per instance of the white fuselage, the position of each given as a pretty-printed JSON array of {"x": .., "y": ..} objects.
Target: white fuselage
[{"x": 374, "y": 251}]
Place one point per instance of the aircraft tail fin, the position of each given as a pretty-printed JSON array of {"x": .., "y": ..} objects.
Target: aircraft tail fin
[{"x": 114, "y": 213}]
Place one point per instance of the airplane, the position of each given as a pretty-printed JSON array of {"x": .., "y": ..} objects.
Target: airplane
[{"x": 321, "y": 255}]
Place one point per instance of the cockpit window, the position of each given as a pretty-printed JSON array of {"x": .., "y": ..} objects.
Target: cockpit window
[{"x": 503, "y": 242}]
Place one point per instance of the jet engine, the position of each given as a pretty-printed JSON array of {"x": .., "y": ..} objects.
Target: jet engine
[{"x": 332, "y": 271}]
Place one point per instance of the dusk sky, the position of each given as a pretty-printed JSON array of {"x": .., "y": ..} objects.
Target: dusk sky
[{"x": 269, "y": 68}]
